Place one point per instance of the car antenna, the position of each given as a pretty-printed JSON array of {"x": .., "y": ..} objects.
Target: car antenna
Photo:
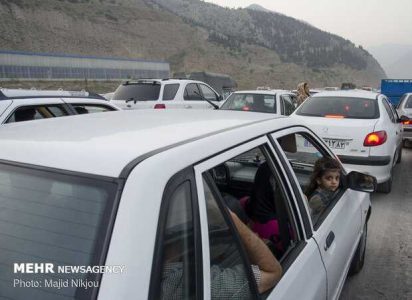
[{"x": 207, "y": 100}]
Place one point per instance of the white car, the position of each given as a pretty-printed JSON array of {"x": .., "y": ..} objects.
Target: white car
[
  {"x": 361, "y": 127},
  {"x": 165, "y": 94},
  {"x": 138, "y": 205},
  {"x": 405, "y": 112},
  {"x": 18, "y": 105},
  {"x": 267, "y": 101}
]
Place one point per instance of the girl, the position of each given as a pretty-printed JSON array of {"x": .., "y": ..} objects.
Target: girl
[{"x": 324, "y": 184}]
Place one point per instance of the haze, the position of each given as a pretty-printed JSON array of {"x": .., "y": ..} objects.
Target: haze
[{"x": 377, "y": 25}]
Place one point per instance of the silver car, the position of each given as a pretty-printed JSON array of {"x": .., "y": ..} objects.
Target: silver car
[{"x": 405, "y": 109}]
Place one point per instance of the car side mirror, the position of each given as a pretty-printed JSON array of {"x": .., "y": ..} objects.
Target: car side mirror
[
  {"x": 361, "y": 182},
  {"x": 404, "y": 119}
]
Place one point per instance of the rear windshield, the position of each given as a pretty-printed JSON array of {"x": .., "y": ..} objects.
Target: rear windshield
[
  {"x": 251, "y": 102},
  {"x": 341, "y": 107},
  {"x": 51, "y": 218},
  {"x": 138, "y": 92}
]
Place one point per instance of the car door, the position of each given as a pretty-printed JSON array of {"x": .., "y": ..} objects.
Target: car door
[
  {"x": 304, "y": 275},
  {"x": 393, "y": 127},
  {"x": 337, "y": 229}
]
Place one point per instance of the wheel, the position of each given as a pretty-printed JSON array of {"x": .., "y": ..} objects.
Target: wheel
[
  {"x": 399, "y": 156},
  {"x": 385, "y": 187},
  {"x": 358, "y": 259}
]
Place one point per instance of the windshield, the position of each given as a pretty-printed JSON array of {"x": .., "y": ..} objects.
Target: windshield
[
  {"x": 52, "y": 218},
  {"x": 251, "y": 102},
  {"x": 138, "y": 92},
  {"x": 340, "y": 107}
]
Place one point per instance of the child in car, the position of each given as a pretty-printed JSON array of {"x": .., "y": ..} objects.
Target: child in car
[{"x": 324, "y": 184}]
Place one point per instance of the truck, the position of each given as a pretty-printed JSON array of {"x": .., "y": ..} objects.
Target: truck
[
  {"x": 222, "y": 83},
  {"x": 395, "y": 88}
]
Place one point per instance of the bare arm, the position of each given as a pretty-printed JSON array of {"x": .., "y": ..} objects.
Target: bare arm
[{"x": 260, "y": 255}]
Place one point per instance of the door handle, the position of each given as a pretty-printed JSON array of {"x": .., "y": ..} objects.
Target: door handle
[{"x": 329, "y": 240}]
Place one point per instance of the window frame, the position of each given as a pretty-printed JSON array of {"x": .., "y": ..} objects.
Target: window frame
[
  {"x": 317, "y": 142},
  {"x": 388, "y": 110},
  {"x": 276, "y": 163},
  {"x": 64, "y": 107},
  {"x": 172, "y": 185},
  {"x": 207, "y": 87},
  {"x": 191, "y": 99}
]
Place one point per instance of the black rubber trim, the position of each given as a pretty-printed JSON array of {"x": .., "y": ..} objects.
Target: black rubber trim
[
  {"x": 365, "y": 161},
  {"x": 407, "y": 129},
  {"x": 90, "y": 96}
]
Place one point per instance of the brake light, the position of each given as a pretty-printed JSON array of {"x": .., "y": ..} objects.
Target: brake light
[
  {"x": 245, "y": 108},
  {"x": 407, "y": 122},
  {"x": 375, "y": 138},
  {"x": 335, "y": 116},
  {"x": 160, "y": 106}
]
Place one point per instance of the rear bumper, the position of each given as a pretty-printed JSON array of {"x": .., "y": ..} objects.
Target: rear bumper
[
  {"x": 407, "y": 133},
  {"x": 365, "y": 161}
]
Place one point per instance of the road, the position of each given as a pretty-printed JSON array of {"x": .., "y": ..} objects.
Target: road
[{"x": 387, "y": 273}]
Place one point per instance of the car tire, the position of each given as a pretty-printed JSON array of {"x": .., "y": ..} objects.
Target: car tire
[
  {"x": 358, "y": 259},
  {"x": 385, "y": 187},
  {"x": 398, "y": 161}
]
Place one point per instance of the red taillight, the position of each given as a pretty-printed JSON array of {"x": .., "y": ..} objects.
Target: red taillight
[
  {"x": 160, "y": 106},
  {"x": 375, "y": 138},
  {"x": 408, "y": 122},
  {"x": 246, "y": 108}
]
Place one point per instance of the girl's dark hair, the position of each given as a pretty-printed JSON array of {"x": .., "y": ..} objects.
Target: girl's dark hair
[{"x": 321, "y": 166}]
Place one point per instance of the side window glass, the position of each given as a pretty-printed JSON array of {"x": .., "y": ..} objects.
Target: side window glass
[
  {"x": 208, "y": 93},
  {"x": 169, "y": 91},
  {"x": 319, "y": 176},
  {"x": 388, "y": 110},
  {"x": 29, "y": 113},
  {"x": 90, "y": 109},
  {"x": 228, "y": 273},
  {"x": 178, "y": 261},
  {"x": 408, "y": 103},
  {"x": 288, "y": 105},
  {"x": 251, "y": 187},
  {"x": 192, "y": 92}
]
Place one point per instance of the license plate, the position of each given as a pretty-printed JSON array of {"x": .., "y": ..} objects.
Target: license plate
[{"x": 336, "y": 144}]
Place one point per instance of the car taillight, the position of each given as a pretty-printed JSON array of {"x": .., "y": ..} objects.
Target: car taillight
[
  {"x": 375, "y": 138},
  {"x": 160, "y": 106},
  {"x": 407, "y": 122}
]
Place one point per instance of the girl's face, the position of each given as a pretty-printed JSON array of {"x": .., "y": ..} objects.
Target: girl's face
[{"x": 329, "y": 180}]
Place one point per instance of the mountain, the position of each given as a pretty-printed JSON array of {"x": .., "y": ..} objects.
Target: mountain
[
  {"x": 258, "y": 8},
  {"x": 257, "y": 48},
  {"x": 396, "y": 59}
]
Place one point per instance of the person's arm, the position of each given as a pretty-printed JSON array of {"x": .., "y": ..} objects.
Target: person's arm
[{"x": 260, "y": 255}]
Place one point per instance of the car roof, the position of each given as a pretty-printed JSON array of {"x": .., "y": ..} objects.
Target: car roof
[
  {"x": 348, "y": 93},
  {"x": 25, "y": 93},
  {"x": 263, "y": 92},
  {"x": 104, "y": 143},
  {"x": 160, "y": 80}
]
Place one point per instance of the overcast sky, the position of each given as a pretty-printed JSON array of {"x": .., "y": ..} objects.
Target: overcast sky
[{"x": 365, "y": 22}]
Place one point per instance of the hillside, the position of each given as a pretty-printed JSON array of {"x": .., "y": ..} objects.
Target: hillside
[{"x": 255, "y": 47}]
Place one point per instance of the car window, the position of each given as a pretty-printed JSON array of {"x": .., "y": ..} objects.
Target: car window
[
  {"x": 169, "y": 91},
  {"x": 228, "y": 273},
  {"x": 48, "y": 217},
  {"x": 178, "y": 260},
  {"x": 91, "y": 108},
  {"x": 288, "y": 106},
  {"x": 408, "y": 103},
  {"x": 192, "y": 92},
  {"x": 137, "y": 91},
  {"x": 28, "y": 113},
  {"x": 250, "y": 186},
  {"x": 251, "y": 102},
  {"x": 342, "y": 107},
  {"x": 388, "y": 110},
  {"x": 303, "y": 155},
  {"x": 208, "y": 93}
]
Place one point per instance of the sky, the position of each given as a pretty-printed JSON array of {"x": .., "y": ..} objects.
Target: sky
[{"x": 368, "y": 23}]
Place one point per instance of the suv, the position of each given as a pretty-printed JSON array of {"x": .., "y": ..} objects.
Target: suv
[
  {"x": 111, "y": 208},
  {"x": 165, "y": 93},
  {"x": 25, "y": 105}
]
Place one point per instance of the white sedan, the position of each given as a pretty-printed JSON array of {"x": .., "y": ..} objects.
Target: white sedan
[
  {"x": 142, "y": 209},
  {"x": 405, "y": 112},
  {"x": 279, "y": 102},
  {"x": 361, "y": 127}
]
